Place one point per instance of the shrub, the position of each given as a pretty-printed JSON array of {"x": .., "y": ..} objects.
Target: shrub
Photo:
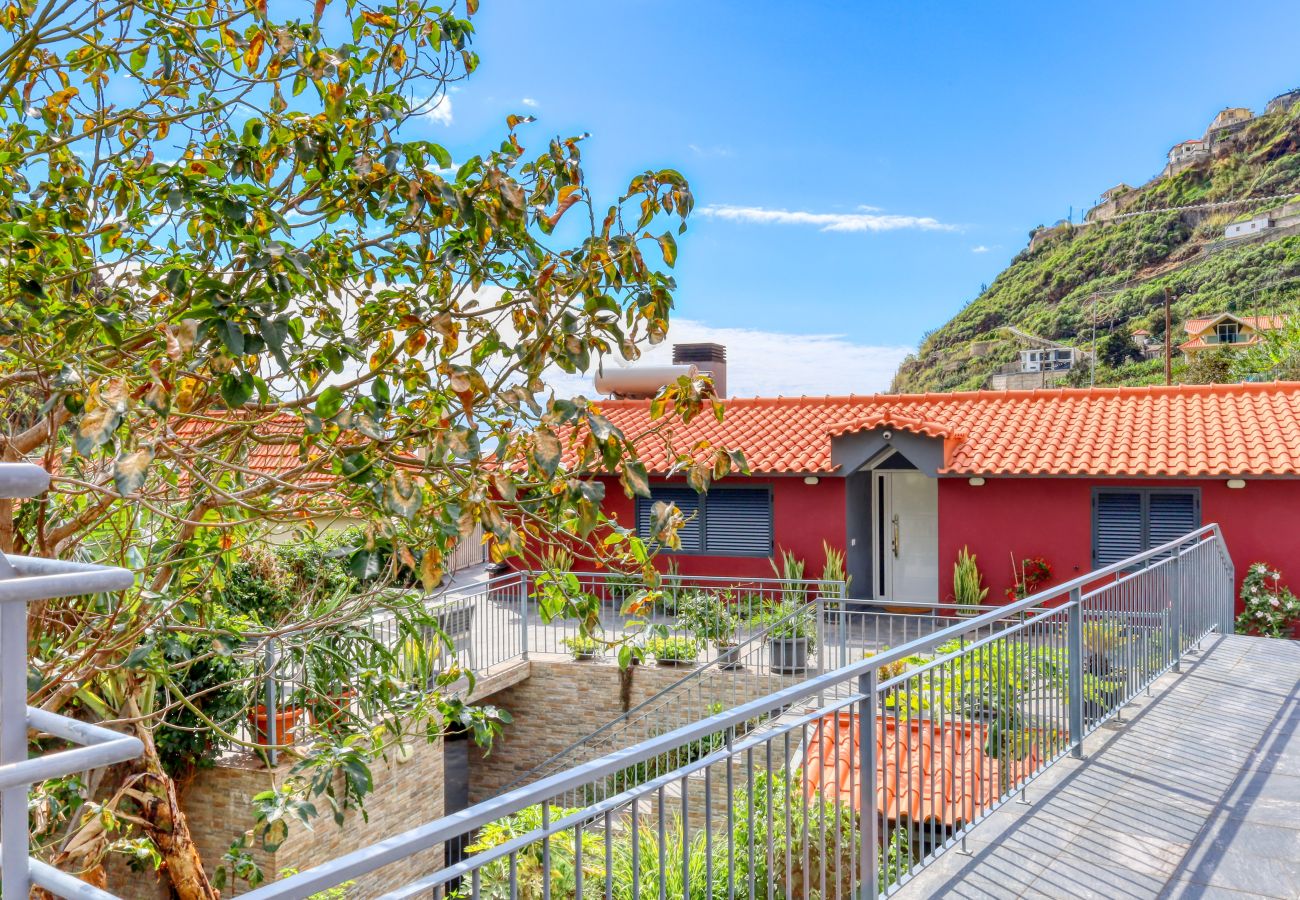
[
  {"x": 709, "y": 616},
  {"x": 1270, "y": 609},
  {"x": 581, "y": 645},
  {"x": 673, "y": 649}
]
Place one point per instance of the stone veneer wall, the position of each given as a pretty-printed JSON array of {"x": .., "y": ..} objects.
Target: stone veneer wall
[
  {"x": 564, "y": 701},
  {"x": 218, "y": 805},
  {"x": 553, "y": 702}
]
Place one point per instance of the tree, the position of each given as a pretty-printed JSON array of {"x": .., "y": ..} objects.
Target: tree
[
  {"x": 1277, "y": 355},
  {"x": 1212, "y": 366},
  {"x": 1117, "y": 348},
  {"x": 228, "y": 235}
]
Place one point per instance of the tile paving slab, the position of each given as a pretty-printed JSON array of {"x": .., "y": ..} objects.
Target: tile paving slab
[{"x": 1196, "y": 795}]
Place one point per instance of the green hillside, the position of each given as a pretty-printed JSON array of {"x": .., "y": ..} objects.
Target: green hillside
[{"x": 1124, "y": 266}]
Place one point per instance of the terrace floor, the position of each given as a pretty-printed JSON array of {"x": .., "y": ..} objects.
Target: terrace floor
[{"x": 1195, "y": 794}]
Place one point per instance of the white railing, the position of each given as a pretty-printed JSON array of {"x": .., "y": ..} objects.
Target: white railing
[{"x": 24, "y": 579}]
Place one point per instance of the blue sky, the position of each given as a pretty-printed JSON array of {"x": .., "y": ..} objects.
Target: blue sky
[{"x": 868, "y": 165}]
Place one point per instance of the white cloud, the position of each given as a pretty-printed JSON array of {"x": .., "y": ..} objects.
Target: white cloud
[
  {"x": 768, "y": 363},
  {"x": 713, "y": 150},
  {"x": 435, "y": 110},
  {"x": 867, "y": 218},
  {"x": 980, "y": 249},
  {"x": 528, "y": 101}
]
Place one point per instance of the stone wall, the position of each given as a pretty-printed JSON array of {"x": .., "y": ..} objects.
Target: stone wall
[
  {"x": 218, "y": 805},
  {"x": 565, "y": 701}
]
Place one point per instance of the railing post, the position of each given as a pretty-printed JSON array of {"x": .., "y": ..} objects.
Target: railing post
[
  {"x": 523, "y": 614},
  {"x": 869, "y": 813},
  {"x": 1176, "y": 609},
  {"x": 272, "y": 703},
  {"x": 13, "y": 741},
  {"x": 1075, "y": 671}
]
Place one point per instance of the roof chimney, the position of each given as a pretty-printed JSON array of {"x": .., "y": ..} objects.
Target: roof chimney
[{"x": 708, "y": 358}]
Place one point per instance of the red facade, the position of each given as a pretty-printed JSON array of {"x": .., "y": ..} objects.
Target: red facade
[{"x": 1013, "y": 518}]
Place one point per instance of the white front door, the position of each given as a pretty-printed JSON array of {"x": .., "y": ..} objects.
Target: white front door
[{"x": 909, "y": 538}]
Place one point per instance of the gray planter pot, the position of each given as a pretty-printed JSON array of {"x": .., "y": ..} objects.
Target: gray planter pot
[
  {"x": 788, "y": 655},
  {"x": 729, "y": 658}
]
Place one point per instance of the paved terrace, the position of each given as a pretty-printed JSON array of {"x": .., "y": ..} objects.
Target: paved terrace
[{"x": 1195, "y": 794}]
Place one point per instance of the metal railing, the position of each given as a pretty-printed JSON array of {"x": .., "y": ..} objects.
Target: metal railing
[
  {"x": 819, "y": 636},
  {"x": 24, "y": 579},
  {"x": 482, "y": 626},
  {"x": 847, "y": 782}
]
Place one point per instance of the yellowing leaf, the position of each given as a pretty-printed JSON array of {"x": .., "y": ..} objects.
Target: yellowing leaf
[
  {"x": 374, "y": 18},
  {"x": 254, "y": 51},
  {"x": 129, "y": 470}
]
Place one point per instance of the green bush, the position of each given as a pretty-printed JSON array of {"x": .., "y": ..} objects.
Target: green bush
[
  {"x": 819, "y": 830},
  {"x": 672, "y": 649}
]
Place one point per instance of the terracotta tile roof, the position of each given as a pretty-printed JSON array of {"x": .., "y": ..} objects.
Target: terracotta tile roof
[
  {"x": 925, "y": 770},
  {"x": 274, "y": 452},
  {"x": 1259, "y": 323},
  {"x": 1237, "y": 429}
]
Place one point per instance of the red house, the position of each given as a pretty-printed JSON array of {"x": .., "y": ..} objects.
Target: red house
[{"x": 1080, "y": 477}]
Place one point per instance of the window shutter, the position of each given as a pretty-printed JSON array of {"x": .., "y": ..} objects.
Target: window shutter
[
  {"x": 738, "y": 520},
  {"x": 1170, "y": 516},
  {"x": 687, "y": 501},
  {"x": 1117, "y": 529}
]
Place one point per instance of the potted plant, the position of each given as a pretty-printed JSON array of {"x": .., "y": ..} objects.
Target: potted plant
[
  {"x": 673, "y": 651},
  {"x": 968, "y": 588},
  {"x": 712, "y": 619},
  {"x": 1032, "y": 573},
  {"x": 286, "y": 720},
  {"x": 833, "y": 586},
  {"x": 791, "y": 636},
  {"x": 582, "y": 647}
]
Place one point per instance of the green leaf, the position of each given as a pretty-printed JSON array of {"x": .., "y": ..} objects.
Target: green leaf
[
  {"x": 329, "y": 402},
  {"x": 236, "y": 390}
]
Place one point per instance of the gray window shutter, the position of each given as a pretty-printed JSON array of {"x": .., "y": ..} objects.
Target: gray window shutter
[
  {"x": 1117, "y": 526},
  {"x": 687, "y": 501},
  {"x": 1171, "y": 515},
  {"x": 738, "y": 520}
]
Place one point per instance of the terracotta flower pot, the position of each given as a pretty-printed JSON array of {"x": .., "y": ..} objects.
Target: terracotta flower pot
[{"x": 286, "y": 720}]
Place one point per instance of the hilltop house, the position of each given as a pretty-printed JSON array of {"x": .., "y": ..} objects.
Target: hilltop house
[
  {"x": 1183, "y": 154},
  {"x": 1230, "y": 118},
  {"x": 1078, "y": 477},
  {"x": 1225, "y": 331}
]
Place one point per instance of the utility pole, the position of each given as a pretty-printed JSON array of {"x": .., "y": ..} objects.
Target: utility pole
[
  {"x": 1092, "y": 376},
  {"x": 1168, "y": 338}
]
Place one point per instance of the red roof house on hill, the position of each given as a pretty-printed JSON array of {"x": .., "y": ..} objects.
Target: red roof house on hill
[{"x": 1080, "y": 477}]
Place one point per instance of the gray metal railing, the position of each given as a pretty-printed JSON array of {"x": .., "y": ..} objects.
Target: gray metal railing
[
  {"x": 837, "y": 634},
  {"x": 497, "y": 622},
  {"x": 24, "y": 579},
  {"x": 846, "y": 782}
]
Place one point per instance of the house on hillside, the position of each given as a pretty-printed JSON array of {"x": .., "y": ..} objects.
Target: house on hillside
[
  {"x": 1078, "y": 477},
  {"x": 1225, "y": 331},
  {"x": 1283, "y": 102},
  {"x": 1230, "y": 118},
  {"x": 1184, "y": 154}
]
